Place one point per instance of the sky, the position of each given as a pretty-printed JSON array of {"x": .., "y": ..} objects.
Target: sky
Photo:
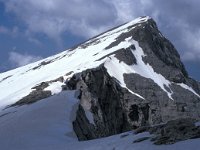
[{"x": 34, "y": 29}]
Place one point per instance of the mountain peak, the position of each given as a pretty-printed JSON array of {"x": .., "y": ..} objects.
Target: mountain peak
[
  {"x": 135, "y": 47},
  {"x": 144, "y": 20},
  {"x": 141, "y": 19},
  {"x": 124, "y": 78}
]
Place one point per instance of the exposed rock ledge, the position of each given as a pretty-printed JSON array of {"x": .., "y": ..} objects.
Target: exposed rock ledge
[{"x": 171, "y": 132}]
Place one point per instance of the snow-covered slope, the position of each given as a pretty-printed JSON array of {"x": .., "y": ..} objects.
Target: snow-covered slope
[
  {"x": 46, "y": 125},
  {"x": 88, "y": 55},
  {"x": 21, "y": 80}
]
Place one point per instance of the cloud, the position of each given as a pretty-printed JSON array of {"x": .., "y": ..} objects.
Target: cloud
[
  {"x": 192, "y": 40},
  {"x": 12, "y": 32},
  {"x": 179, "y": 20},
  {"x": 183, "y": 26},
  {"x": 53, "y": 18},
  {"x": 17, "y": 59}
]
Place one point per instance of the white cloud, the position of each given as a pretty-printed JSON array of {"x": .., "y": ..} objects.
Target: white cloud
[
  {"x": 53, "y": 18},
  {"x": 192, "y": 40},
  {"x": 17, "y": 59},
  {"x": 87, "y": 18},
  {"x": 79, "y": 17}
]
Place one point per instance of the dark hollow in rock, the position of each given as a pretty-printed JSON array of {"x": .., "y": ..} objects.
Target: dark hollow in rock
[
  {"x": 134, "y": 113},
  {"x": 145, "y": 111},
  {"x": 141, "y": 139},
  {"x": 124, "y": 135}
]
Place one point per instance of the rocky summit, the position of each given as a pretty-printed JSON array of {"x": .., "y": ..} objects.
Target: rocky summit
[{"x": 124, "y": 79}]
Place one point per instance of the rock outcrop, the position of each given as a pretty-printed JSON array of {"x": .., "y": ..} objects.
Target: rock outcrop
[
  {"x": 38, "y": 93},
  {"x": 171, "y": 132},
  {"x": 104, "y": 98},
  {"x": 115, "y": 109}
]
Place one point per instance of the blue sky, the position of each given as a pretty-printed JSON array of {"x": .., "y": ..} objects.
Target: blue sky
[{"x": 34, "y": 29}]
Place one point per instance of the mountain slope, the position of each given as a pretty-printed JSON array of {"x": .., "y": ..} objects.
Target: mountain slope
[
  {"x": 86, "y": 56},
  {"x": 81, "y": 58},
  {"x": 125, "y": 78},
  {"x": 46, "y": 125}
]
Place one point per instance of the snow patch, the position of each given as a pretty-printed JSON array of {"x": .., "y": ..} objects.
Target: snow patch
[
  {"x": 55, "y": 87},
  {"x": 188, "y": 88},
  {"x": 117, "y": 70},
  {"x": 147, "y": 71},
  {"x": 89, "y": 116}
]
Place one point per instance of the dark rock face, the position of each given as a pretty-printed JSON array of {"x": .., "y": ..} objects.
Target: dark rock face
[
  {"x": 116, "y": 110},
  {"x": 166, "y": 59},
  {"x": 82, "y": 127},
  {"x": 124, "y": 55},
  {"x": 155, "y": 98},
  {"x": 161, "y": 108},
  {"x": 33, "y": 97},
  {"x": 161, "y": 54},
  {"x": 171, "y": 132},
  {"x": 107, "y": 105},
  {"x": 175, "y": 130},
  {"x": 187, "y": 103},
  {"x": 134, "y": 113}
]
